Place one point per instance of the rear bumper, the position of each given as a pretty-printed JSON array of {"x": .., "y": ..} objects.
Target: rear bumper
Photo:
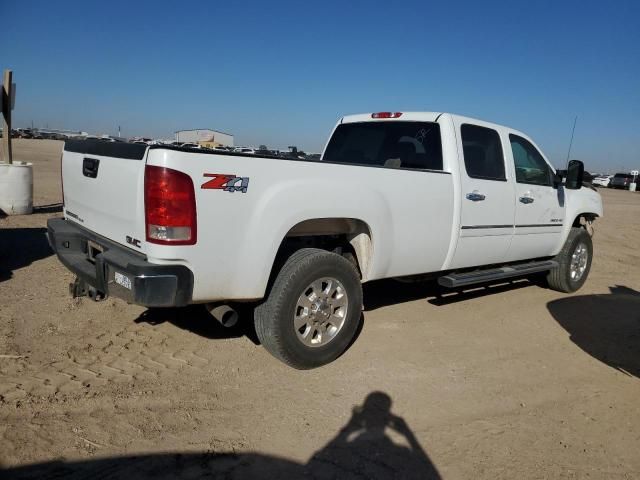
[{"x": 119, "y": 271}]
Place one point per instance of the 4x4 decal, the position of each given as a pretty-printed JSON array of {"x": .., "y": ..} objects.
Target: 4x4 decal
[{"x": 228, "y": 183}]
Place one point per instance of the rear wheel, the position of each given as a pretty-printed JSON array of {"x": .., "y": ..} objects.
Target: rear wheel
[
  {"x": 574, "y": 262},
  {"x": 312, "y": 311}
]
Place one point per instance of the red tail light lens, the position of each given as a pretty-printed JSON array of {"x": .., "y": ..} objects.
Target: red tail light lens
[
  {"x": 386, "y": 115},
  {"x": 169, "y": 207}
]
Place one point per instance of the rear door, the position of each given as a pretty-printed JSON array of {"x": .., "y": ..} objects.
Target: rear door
[
  {"x": 487, "y": 210},
  {"x": 103, "y": 185},
  {"x": 539, "y": 206}
]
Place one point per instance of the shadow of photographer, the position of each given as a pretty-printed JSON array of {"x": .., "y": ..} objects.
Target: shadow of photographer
[{"x": 361, "y": 449}]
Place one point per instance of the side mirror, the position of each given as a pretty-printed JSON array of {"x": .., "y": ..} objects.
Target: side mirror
[{"x": 575, "y": 175}]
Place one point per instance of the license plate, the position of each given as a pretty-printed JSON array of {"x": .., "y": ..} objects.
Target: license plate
[{"x": 123, "y": 280}]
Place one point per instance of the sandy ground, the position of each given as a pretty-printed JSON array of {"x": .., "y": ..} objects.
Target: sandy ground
[{"x": 512, "y": 381}]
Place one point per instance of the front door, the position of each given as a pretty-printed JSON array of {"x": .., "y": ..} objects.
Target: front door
[
  {"x": 539, "y": 205},
  {"x": 487, "y": 209}
]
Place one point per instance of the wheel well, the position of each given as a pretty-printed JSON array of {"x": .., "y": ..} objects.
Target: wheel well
[
  {"x": 583, "y": 219},
  {"x": 348, "y": 237}
]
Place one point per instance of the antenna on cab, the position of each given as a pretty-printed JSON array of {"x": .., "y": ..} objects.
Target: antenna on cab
[{"x": 571, "y": 141}]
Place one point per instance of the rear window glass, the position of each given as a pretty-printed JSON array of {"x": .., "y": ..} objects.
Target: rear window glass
[
  {"x": 483, "y": 157},
  {"x": 623, "y": 175},
  {"x": 414, "y": 145}
]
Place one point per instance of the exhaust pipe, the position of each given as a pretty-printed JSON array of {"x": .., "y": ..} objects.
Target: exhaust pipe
[{"x": 224, "y": 314}]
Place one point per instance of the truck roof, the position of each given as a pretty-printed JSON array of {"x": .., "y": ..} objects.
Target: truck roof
[
  {"x": 427, "y": 117},
  {"x": 410, "y": 116}
]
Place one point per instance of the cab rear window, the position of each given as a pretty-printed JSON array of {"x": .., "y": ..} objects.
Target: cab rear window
[{"x": 411, "y": 145}]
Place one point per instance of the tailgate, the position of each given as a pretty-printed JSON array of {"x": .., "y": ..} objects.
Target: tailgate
[{"x": 103, "y": 184}]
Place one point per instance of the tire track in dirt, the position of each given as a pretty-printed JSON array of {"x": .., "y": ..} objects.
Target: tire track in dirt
[{"x": 137, "y": 353}]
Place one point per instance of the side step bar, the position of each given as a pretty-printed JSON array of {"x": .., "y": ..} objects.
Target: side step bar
[{"x": 454, "y": 280}]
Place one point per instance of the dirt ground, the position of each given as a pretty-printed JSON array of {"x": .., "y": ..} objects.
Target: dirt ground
[{"x": 511, "y": 381}]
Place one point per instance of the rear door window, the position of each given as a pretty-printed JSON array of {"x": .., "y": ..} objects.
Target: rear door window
[
  {"x": 482, "y": 149},
  {"x": 412, "y": 145}
]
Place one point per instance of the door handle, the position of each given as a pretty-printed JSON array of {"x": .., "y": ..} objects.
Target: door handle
[
  {"x": 526, "y": 199},
  {"x": 475, "y": 196},
  {"x": 90, "y": 167}
]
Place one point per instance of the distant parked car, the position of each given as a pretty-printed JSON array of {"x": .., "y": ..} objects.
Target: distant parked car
[
  {"x": 602, "y": 180},
  {"x": 621, "y": 180},
  {"x": 266, "y": 152},
  {"x": 142, "y": 140},
  {"x": 190, "y": 145},
  {"x": 248, "y": 150}
]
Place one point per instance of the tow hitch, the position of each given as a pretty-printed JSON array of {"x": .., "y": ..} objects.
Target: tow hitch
[{"x": 79, "y": 288}]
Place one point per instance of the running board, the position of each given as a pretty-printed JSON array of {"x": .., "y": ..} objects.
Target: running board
[{"x": 454, "y": 280}]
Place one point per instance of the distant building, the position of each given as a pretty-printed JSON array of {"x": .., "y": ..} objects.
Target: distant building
[
  {"x": 66, "y": 133},
  {"x": 205, "y": 137}
]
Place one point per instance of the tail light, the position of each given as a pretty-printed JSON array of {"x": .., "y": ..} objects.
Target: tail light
[
  {"x": 169, "y": 207},
  {"x": 386, "y": 115}
]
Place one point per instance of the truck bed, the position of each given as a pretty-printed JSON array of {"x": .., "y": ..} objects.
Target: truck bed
[{"x": 240, "y": 229}]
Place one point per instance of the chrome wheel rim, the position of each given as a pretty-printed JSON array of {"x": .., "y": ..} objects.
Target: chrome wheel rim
[
  {"x": 578, "y": 262},
  {"x": 320, "y": 312}
]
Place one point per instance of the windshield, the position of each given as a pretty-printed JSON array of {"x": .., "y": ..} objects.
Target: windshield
[{"x": 414, "y": 145}]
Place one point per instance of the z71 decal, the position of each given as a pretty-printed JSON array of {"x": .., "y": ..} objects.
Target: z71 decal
[{"x": 228, "y": 183}]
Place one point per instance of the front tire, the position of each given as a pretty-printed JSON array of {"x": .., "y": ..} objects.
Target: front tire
[
  {"x": 574, "y": 262},
  {"x": 312, "y": 311}
]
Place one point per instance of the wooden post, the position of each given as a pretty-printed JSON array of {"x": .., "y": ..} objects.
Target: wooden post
[{"x": 6, "y": 116}]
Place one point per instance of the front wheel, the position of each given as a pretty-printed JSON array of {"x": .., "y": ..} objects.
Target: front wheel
[
  {"x": 574, "y": 262},
  {"x": 312, "y": 311}
]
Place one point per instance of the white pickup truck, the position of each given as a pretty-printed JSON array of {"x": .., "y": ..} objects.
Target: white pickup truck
[{"x": 394, "y": 195}]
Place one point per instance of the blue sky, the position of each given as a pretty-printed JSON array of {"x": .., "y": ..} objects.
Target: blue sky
[{"x": 282, "y": 73}]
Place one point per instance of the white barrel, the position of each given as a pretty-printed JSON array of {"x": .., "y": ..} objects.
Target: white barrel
[
  {"x": 632, "y": 186},
  {"x": 16, "y": 188}
]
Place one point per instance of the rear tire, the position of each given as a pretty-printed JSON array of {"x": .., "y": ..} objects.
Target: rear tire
[
  {"x": 574, "y": 262},
  {"x": 312, "y": 311}
]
